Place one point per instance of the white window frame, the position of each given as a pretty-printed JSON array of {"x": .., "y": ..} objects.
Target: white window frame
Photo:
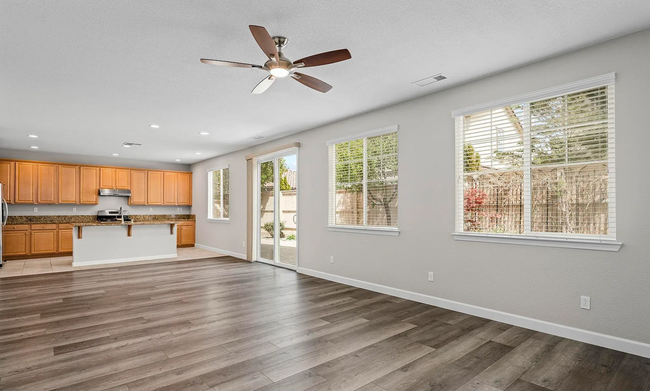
[
  {"x": 362, "y": 229},
  {"x": 590, "y": 242},
  {"x": 209, "y": 217}
]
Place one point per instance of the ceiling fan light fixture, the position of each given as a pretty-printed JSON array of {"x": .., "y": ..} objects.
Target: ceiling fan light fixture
[{"x": 279, "y": 72}]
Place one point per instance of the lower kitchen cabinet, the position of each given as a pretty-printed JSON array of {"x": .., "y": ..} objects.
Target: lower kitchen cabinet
[
  {"x": 65, "y": 238},
  {"x": 15, "y": 243},
  {"x": 185, "y": 234},
  {"x": 43, "y": 239}
]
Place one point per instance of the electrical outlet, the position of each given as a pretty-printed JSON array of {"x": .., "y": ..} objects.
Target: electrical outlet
[
  {"x": 585, "y": 302},
  {"x": 35, "y": 209},
  {"x": 74, "y": 209},
  {"x": 431, "y": 276},
  {"x": 150, "y": 209},
  {"x": 331, "y": 258},
  {"x": 243, "y": 244}
]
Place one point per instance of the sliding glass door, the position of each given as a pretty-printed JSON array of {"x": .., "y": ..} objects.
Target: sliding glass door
[{"x": 277, "y": 203}]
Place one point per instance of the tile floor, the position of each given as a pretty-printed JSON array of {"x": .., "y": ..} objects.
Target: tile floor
[{"x": 64, "y": 264}]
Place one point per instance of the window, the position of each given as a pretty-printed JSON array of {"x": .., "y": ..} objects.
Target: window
[
  {"x": 363, "y": 180},
  {"x": 219, "y": 193},
  {"x": 541, "y": 167}
]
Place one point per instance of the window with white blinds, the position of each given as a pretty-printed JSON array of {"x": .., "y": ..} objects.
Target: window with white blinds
[
  {"x": 539, "y": 167},
  {"x": 219, "y": 193},
  {"x": 363, "y": 172}
]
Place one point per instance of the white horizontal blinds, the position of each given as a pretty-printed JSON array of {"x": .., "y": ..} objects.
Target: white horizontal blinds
[
  {"x": 540, "y": 167},
  {"x": 219, "y": 193},
  {"x": 381, "y": 180},
  {"x": 569, "y": 163},
  {"x": 363, "y": 181},
  {"x": 225, "y": 192},
  {"x": 216, "y": 194},
  {"x": 493, "y": 150}
]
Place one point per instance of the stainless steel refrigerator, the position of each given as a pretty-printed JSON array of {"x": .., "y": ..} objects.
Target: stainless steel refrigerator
[{"x": 3, "y": 222}]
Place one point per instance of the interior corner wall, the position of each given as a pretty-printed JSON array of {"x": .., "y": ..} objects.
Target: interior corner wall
[{"x": 537, "y": 282}]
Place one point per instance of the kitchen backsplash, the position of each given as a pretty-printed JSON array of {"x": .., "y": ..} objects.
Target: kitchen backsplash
[{"x": 104, "y": 203}]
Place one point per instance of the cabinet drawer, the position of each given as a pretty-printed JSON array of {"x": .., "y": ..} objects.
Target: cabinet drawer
[
  {"x": 65, "y": 226},
  {"x": 16, "y": 227},
  {"x": 43, "y": 226}
]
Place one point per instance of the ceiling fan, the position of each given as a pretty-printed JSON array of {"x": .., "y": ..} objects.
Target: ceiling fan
[{"x": 279, "y": 66}]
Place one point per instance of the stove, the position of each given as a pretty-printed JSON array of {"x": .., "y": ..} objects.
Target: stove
[{"x": 112, "y": 215}]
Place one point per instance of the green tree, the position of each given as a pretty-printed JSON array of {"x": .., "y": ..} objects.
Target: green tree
[
  {"x": 266, "y": 173},
  {"x": 471, "y": 158}
]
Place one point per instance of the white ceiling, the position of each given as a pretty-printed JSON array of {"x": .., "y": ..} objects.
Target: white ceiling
[{"x": 87, "y": 75}]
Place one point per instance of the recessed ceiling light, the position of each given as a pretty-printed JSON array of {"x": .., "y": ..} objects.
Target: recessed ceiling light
[
  {"x": 178, "y": 160},
  {"x": 257, "y": 137},
  {"x": 32, "y": 136},
  {"x": 34, "y": 147},
  {"x": 116, "y": 154},
  {"x": 154, "y": 126},
  {"x": 204, "y": 133},
  {"x": 197, "y": 153}
]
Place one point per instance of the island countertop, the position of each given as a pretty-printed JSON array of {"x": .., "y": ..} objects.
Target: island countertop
[
  {"x": 89, "y": 220},
  {"x": 118, "y": 223}
]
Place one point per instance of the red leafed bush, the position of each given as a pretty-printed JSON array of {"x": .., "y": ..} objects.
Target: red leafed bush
[{"x": 473, "y": 201}]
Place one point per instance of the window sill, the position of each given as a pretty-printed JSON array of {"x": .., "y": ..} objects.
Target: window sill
[
  {"x": 364, "y": 230},
  {"x": 545, "y": 241},
  {"x": 218, "y": 220}
]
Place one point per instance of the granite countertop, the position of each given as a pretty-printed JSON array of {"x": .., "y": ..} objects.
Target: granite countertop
[
  {"x": 88, "y": 220},
  {"x": 118, "y": 223}
]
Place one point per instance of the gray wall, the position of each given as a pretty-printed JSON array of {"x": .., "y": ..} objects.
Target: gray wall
[
  {"x": 104, "y": 202},
  {"x": 537, "y": 282}
]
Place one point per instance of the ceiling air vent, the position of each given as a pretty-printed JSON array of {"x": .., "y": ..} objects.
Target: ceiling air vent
[
  {"x": 257, "y": 137},
  {"x": 129, "y": 145},
  {"x": 430, "y": 80}
]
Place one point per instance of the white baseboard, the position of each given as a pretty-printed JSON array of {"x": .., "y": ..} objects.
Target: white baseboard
[
  {"x": 604, "y": 340},
  {"x": 122, "y": 260},
  {"x": 221, "y": 251}
]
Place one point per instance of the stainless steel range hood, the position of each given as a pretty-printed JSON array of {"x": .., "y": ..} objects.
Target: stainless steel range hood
[{"x": 115, "y": 192}]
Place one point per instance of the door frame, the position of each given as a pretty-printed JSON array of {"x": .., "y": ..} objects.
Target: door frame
[{"x": 257, "y": 206}]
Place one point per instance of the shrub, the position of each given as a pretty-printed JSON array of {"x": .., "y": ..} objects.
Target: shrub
[{"x": 268, "y": 227}]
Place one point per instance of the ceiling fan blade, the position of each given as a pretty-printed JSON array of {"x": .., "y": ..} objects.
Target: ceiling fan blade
[
  {"x": 325, "y": 58},
  {"x": 230, "y": 63},
  {"x": 312, "y": 82},
  {"x": 264, "y": 40},
  {"x": 263, "y": 85}
]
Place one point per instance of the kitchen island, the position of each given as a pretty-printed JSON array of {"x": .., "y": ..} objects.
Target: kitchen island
[{"x": 96, "y": 243}]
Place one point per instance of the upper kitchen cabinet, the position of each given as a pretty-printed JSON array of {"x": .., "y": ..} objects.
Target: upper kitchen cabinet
[
  {"x": 89, "y": 185},
  {"x": 8, "y": 180},
  {"x": 25, "y": 192},
  {"x": 169, "y": 186},
  {"x": 155, "y": 187},
  {"x": 184, "y": 185},
  {"x": 123, "y": 178},
  {"x": 68, "y": 184},
  {"x": 138, "y": 187},
  {"x": 47, "y": 188},
  {"x": 106, "y": 178}
]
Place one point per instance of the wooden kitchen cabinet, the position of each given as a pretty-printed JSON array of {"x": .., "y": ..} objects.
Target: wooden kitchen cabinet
[
  {"x": 8, "y": 180},
  {"x": 25, "y": 192},
  {"x": 170, "y": 189},
  {"x": 138, "y": 187},
  {"x": 15, "y": 243},
  {"x": 89, "y": 185},
  {"x": 68, "y": 184},
  {"x": 155, "y": 187},
  {"x": 185, "y": 234},
  {"x": 44, "y": 239},
  {"x": 106, "y": 178},
  {"x": 122, "y": 178},
  {"x": 65, "y": 238},
  {"x": 184, "y": 186},
  {"x": 47, "y": 188}
]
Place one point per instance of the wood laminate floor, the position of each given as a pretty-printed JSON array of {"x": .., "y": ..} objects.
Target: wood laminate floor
[{"x": 225, "y": 324}]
